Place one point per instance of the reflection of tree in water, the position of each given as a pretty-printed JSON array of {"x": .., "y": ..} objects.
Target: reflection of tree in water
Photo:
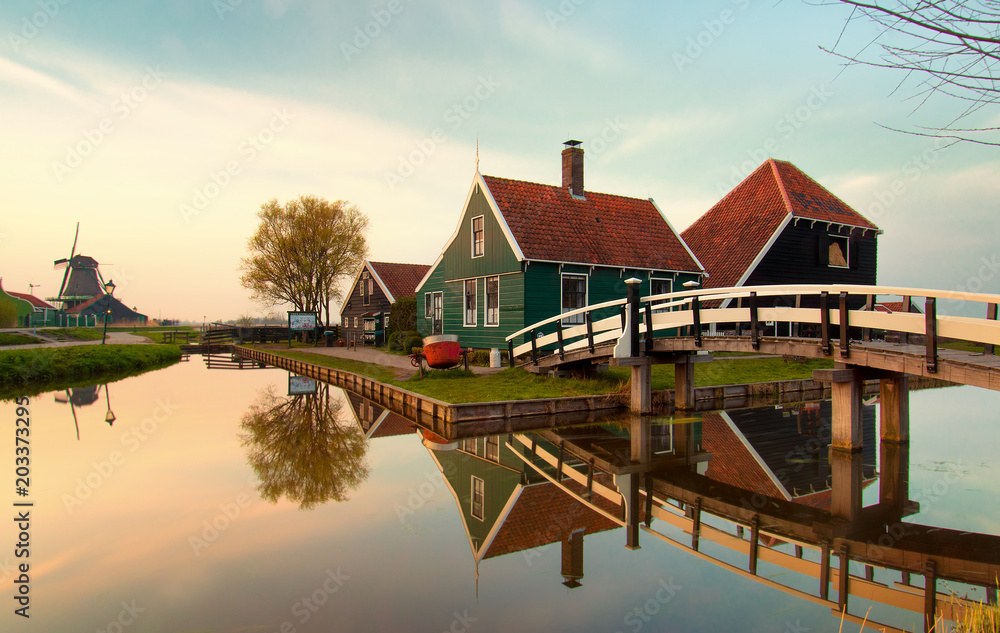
[{"x": 299, "y": 450}]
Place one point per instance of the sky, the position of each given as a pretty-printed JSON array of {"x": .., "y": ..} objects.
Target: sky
[{"x": 162, "y": 126}]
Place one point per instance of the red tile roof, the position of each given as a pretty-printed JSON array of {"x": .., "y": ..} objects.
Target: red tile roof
[
  {"x": 86, "y": 304},
  {"x": 894, "y": 306},
  {"x": 731, "y": 461},
  {"x": 550, "y": 224},
  {"x": 400, "y": 279},
  {"x": 393, "y": 425},
  {"x": 32, "y": 299},
  {"x": 730, "y": 235},
  {"x": 545, "y": 514}
]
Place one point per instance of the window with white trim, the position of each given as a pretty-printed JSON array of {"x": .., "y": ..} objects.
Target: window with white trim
[
  {"x": 366, "y": 288},
  {"x": 471, "y": 309},
  {"x": 574, "y": 296},
  {"x": 437, "y": 313},
  {"x": 493, "y": 300},
  {"x": 493, "y": 448},
  {"x": 478, "y": 237},
  {"x": 478, "y": 498}
]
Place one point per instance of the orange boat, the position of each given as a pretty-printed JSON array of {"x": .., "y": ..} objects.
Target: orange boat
[{"x": 442, "y": 351}]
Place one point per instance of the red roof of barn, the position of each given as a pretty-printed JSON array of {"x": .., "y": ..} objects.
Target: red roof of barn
[
  {"x": 546, "y": 514},
  {"x": 732, "y": 462},
  {"x": 550, "y": 224},
  {"x": 32, "y": 299},
  {"x": 729, "y": 236},
  {"x": 86, "y": 304},
  {"x": 400, "y": 279}
]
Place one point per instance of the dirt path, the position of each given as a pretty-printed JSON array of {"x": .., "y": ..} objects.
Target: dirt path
[{"x": 401, "y": 365}]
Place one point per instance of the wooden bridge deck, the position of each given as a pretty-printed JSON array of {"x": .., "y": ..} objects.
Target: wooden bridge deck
[{"x": 956, "y": 366}]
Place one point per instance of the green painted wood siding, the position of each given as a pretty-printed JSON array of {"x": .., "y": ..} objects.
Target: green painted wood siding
[
  {"x": 499, "y": 485},
  {"x": 543, "y": 289},
  {"x": 498, "y": 257}
]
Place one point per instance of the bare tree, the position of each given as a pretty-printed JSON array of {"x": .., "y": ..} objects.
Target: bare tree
[
  {"x": 945, "y": 47},
  {"x": 302, "y": 251}
]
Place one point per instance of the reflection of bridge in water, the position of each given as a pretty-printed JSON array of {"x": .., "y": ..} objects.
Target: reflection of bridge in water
[{"x": 757, "y": 492}]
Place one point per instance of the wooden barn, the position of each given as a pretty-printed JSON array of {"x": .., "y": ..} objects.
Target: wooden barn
[{"x": 779, "y": 226}]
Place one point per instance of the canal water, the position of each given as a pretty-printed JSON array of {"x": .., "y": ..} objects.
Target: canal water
[{"x": 189, "y": 499}]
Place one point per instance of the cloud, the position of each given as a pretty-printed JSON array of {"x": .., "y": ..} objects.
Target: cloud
[{"x": 21, "y": 76}]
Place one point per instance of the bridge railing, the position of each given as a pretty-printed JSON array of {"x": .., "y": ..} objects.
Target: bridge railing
[{"x": 830, "y": 309}]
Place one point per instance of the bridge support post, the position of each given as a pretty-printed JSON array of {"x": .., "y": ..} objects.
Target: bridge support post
[
  {"x": 845, "y": 388},
  {"x": 894, "y": 480},
  {"x": 684, "y": 384},
  {"x": 846, "y": 471},
  {"x": 641, "y": 384},
  {"x": 894, "y": 402},
  {"x": 639, "y": 432}
]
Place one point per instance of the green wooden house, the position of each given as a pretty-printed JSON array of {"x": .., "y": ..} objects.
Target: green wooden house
[{"x": 524, "y": 251}]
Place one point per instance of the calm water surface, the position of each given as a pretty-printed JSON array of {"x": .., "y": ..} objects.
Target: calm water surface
[{"x": 214, "y": 502}]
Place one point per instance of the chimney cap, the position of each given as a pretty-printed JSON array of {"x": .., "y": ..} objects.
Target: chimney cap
[{"x": 572, "y": 143}]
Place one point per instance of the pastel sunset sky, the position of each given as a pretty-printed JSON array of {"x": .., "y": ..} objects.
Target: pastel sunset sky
[{"x": 163, "y": 125}]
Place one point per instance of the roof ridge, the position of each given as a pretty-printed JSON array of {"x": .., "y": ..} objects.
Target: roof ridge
[
  {"x": 781, "y": 184},
  {"x": 559, "y": 187},
  {"x": 829, "y": 193}
]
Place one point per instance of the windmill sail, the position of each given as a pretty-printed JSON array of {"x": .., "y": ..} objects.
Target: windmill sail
[{"x": 59, "y": 264}]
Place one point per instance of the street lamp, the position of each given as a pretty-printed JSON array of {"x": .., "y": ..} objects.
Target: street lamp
[
  {"x": 109, "y": 417},
  {"x": 109, "y": 290}
]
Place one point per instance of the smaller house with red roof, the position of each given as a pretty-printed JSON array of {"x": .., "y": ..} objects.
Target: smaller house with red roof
[
  {"x": 524, "y": 252},
  {"x": 365, "y": 310},
  {"x": 779, "y": 226},
  {"x": 31, "y": 311}
]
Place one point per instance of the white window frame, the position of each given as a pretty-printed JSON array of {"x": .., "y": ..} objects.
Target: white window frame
[
  {"x": 465, "y": 305},
  {"x": 439, "y": 295},
  {"x": 482, "y": 242},
  {"x": 846, "y": 239},
  {"x": 486, "y": 302},
  {"x": 366, "y": 285},
  {"x": 428, "y": 305},
  {"x": 482, "y": 498},
  {"x": 586, "y": 298}
]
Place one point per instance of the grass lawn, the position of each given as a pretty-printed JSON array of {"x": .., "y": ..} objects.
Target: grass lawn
[
  {"x": 458, "y": 386},
  {"x": 6, "y": 338},
  {"x": 962, "y": 346},
  {"x": 32, "y": 371},
  {"x": 75, "y": 333}
]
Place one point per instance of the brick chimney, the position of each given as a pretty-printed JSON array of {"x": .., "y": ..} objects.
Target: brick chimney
[{"x": 572, "y": 167}]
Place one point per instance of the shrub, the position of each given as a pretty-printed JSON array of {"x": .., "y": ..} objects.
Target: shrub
[
  {"x": 403, "y": 315},
  {"x": 393, "y": 342},
  {"x": 8, "y": 314},
  {"x": 481, "y": 357},
  {"x": 412, "y": 341}
]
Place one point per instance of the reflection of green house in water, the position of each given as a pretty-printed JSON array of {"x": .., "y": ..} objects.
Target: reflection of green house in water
[{"x": 507, "y": 506}]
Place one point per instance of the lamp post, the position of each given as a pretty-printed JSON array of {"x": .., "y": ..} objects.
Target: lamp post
[
  {"x": 109, "y": 417},
  {"x": 109, "y": 290}
]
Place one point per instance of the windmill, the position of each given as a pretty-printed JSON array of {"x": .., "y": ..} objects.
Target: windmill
[
  {"x": 82, "y": 280},
  {"x": 64, "y": 263}
]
